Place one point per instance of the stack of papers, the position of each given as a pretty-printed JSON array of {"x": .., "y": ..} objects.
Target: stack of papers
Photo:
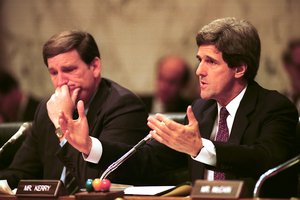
[
  {"x": 147, "y": 190},
  {"x": 5, "y": 189}
]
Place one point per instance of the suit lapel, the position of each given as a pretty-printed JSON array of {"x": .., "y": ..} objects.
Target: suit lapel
[
  {"x": 206, "y": 123},
  {"x": 97, "y": 105},
  {"x": 53, "y": 150},
  {"x": 206, "y": 118},
  {"x": 241, "y": 120}
]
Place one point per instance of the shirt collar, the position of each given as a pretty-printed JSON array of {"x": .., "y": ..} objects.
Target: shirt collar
[{"x": 233, "y": 105}]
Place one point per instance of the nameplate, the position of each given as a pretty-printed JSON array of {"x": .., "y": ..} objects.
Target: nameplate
[
  {"x": 203, "y": 189},
  {"x": 40, "y": 188}
]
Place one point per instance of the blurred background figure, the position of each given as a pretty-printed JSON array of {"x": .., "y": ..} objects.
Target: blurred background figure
[
  {"x": 172, "y": 77},
  {"x": 291, "y": 61},
  {"x": 15, "y": 105}
]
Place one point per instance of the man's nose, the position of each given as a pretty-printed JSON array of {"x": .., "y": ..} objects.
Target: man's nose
[
  {"x": 62, "y": 79},
  {"x": 199, "y": 69}
]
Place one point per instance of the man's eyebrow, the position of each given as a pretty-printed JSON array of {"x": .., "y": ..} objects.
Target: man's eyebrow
[
  {"x": 51, "y": 69},
  {"x": 68, "y": 67},
  {"x": 209, "y": 57},
  {"x": 205, "y": 56}
]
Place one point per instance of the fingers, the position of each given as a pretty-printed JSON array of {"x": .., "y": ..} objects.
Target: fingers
[
  {"x": 64, "y": 89},
  {"x": 62, "y": 121},
  {"x": 157, "y": 123},
  {"x": 75, "y": 95},
  {"x": 57, "y": 91},
  {"x": 80, "y": 109},
  {"x": 164, "y": 129},
  {"x": 190, "y": 115},
  {"x": 157, "y": 137},
  {"x": 170, "y": 124}
]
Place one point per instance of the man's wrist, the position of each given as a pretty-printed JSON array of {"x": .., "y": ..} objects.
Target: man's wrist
[
  {"x": 196, "y": 153},
  {"x": 89, "y": 147},
  {"x": 95, "y": 152}
]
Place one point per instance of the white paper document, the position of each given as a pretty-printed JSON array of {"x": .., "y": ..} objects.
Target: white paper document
[
  {"x": 5, "y": 189},
  {"x": 146, "y": 190}
]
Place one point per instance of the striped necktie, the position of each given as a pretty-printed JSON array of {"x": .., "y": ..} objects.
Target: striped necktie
[{"x": 71, "y": 185}]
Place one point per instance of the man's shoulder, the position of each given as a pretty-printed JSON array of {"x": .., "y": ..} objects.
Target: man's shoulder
[
  {"x": 270, "y": 95},
  {"x": 146, "y": 97},
  {"x": 262, "y": 102},
  {"x": 117, "y": 94},
  {"x": 116, "y": 88}
]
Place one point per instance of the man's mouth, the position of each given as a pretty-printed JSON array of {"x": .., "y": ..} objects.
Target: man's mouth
[
  {"x": 72, "y": 88},
  {"x": 203, "y": 84}
]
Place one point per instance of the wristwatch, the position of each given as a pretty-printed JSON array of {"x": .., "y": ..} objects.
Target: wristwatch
[{"x": 59, "y": 133}]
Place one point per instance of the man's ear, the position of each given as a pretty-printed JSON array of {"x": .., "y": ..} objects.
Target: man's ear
[
  {"x": 95, "y": 66},
  {"x": 240, "y": 71}
]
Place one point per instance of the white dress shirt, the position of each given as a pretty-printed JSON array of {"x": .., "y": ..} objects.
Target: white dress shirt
[
  {"x": 93, "y": 157},
  {"x": 207, "y": 154}
]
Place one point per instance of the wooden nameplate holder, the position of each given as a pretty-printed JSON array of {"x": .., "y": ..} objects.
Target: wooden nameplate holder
[
  {"x": 41, "y": 189},
  {"x": 99, "y": 195},
  {"x": 203, "y": 189}
]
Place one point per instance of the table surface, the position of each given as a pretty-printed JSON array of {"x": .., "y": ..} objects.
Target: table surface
[{"x": 72, "y": 197}]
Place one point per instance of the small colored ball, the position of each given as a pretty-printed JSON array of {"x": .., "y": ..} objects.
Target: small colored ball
[
  {"x": 96, "y": 184},
  {"x": 89, "y": 185},
  {"x": 105, "y": 185}
]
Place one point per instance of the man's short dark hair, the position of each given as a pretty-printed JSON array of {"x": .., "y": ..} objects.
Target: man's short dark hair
[
  {"x": 66, "y": 41},
  {"x": 238, "y": 41}
]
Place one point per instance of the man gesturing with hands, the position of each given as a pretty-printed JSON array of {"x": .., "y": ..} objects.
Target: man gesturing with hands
[
  {"x": 110, "y": 119},
  {"x": 237, "y": 130},
  {"x": 171, "y": 133}
]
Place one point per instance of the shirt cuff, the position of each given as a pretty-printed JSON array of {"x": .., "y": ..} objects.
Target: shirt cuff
[
  {"x": 96, "y": 151},
  {"x": 207, "y": 154},
  {"x": 63, "y": 142}
]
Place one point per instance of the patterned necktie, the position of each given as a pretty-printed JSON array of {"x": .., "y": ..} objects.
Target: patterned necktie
[
  {"x": 222, "y": 136},
  {"x": 70, "y": 183}
]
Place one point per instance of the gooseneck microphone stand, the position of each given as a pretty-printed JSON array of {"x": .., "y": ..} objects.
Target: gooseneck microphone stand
[
  {"x": 272, "y": 172},
  {"x": 122, "y": 159}
]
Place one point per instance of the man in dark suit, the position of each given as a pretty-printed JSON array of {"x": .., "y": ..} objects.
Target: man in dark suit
[
  {"x": 115, "y": 119},
  {"x": 172, "y": 77},
  {"x": 15, "y": 104},
  {"x": 237, "y": 129}
]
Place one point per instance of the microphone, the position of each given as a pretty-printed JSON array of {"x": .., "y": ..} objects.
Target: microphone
[
  {"x": 122, "y": 159},
  {"x": 25, "y": 126},
  {"x": 272, "y": 172}
]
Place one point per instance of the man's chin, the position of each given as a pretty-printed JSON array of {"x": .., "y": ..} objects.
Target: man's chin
[{"x": 204, "y": 96}]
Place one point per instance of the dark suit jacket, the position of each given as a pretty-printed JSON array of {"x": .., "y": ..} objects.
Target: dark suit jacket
[
  {"x": 115, "y": 116},
  {"x": 263, "y": 136},
  {"x": 30, "y": 109}
]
